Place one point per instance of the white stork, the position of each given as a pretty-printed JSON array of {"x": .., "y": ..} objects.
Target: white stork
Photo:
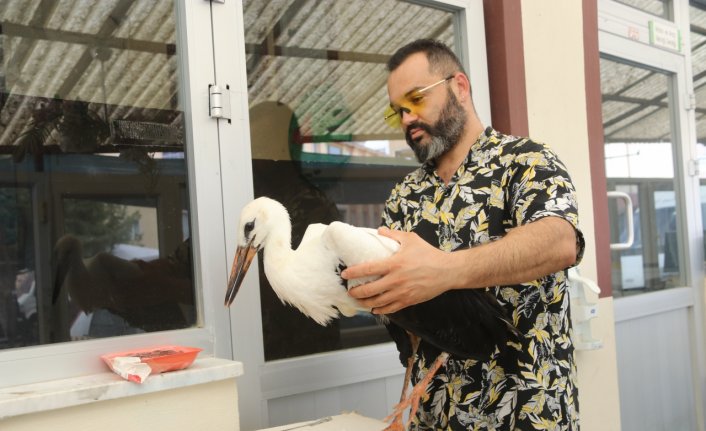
[{"x": 309, "y": 279}]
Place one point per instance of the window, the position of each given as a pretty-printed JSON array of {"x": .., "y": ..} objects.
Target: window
[
  {"x": 697, "y": 19},
  {"x": 660, "y": 8},
  {"x": 639, "y": 158},
  {"x": 92, "y": 168},
  {"x": 317, "y": 94}
]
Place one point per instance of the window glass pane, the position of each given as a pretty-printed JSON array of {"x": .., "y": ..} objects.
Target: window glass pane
[
  {"x": 94, "y": 239},
  {"x": 639, "y": 158},
  {"x": 698, "y": 63},
  {"x": 317, "y": 94},
  {"x": 661, "y": 8},
  {"x": 18, "y": 298},
  {"x": 697, "y": 18}
]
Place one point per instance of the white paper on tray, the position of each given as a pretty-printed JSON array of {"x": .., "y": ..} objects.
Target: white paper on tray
[{"x": 130, "y": 368}]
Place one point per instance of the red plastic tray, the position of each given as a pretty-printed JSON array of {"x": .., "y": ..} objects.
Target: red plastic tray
[{"x": 161, "y": 358}]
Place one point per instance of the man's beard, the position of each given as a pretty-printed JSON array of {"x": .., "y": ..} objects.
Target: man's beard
[{"x": 444, "y": 134}]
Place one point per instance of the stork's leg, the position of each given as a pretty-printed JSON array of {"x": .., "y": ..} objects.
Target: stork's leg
[
  {"x": 397, "y": 423},
  {"x": 421, "y": 387},
  {"x": 415, "y": 397},
  {"x": 410, "y": 363}
]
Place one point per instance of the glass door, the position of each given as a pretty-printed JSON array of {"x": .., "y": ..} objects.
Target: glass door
[
  {"x": 651, "y": 154},
  {"x": 318, "y": 141},
  {"x": 311, "y": 82}
]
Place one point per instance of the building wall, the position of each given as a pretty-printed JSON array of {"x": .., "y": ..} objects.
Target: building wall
[
  {"x": 556, "y": 105},
  {"x": 209, "y": 406}
]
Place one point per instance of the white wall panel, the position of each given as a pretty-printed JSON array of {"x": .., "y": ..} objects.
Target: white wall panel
[
  {"x": 374, "y": 398},
  {"x": 654, "y": 372}
]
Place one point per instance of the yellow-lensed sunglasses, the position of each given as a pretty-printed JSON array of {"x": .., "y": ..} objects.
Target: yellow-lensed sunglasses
[{"x": 413, "y": 103}]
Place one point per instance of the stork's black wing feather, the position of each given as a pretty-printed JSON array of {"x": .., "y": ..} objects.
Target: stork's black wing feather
[
  {"x": 468, "y": 324},
  {"x": 402, "y": 340}
]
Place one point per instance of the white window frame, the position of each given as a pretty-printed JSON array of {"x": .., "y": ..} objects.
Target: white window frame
[
  {"x": 623, "y": 33},
  {"x": 28, "y": 365},
  {"x": 263, "y": 380}
]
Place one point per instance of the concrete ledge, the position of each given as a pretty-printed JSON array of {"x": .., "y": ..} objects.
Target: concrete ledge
[{"x": 56, "y": 394}]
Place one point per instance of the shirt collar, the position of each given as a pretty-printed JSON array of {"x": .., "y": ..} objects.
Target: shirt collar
[{"x": 430, "y": 166}]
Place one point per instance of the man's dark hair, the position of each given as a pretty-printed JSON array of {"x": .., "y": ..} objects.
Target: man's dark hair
[{"x": 441, "y": 59}]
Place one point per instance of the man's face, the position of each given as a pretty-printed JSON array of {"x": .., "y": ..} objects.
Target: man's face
[
  {"x": 21, "y": 280},
  {"x": 442, "y": 135},
  {"x": 432, "y": 121}
]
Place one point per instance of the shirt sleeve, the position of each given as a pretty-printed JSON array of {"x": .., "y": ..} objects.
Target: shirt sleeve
[
  {"x": 541, "y": 187},
  {"x": 392, "y": 216}
]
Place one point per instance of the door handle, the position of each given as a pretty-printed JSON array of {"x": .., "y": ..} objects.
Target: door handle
[{"x": 630, "y": 226}]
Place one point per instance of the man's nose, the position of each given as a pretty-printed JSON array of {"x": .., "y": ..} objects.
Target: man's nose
[{"x": 407, "y": 117}]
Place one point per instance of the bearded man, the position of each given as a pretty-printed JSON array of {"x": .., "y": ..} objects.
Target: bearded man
[{"x": 484, "y": 211}]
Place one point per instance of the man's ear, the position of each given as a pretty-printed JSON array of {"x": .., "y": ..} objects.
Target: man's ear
[{"x": 464, "y": 86}]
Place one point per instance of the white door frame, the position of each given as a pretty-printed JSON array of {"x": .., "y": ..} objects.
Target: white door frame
[{"x": 623, "y": 33}]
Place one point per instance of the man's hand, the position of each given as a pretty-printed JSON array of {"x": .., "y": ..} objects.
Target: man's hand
[
  {"x": 419, "y": 272},
  {"x": 412, "y": 275}
]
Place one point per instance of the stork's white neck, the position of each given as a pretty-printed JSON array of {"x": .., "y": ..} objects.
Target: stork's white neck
[
  {"x": 277, "y": 254},
  {"x": 279, "y": 238},
  {"x": 279, "y": 235}
]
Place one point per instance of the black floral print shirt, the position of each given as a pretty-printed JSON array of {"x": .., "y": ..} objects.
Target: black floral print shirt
[{"x": 505, "y": 182}]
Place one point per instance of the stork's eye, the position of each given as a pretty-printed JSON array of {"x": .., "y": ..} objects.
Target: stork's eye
[{"x": 249, "y": 226}]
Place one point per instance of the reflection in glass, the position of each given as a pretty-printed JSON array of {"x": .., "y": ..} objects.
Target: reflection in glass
[
  {"x": 660, "y": 8},
  {"x": 18, "y": 292},
  {"x": 92, "y": 172},
  {"x": 317, "y": 90},
  {"x": 639, "y": 158},
  {"x": 697, "y": 18}
]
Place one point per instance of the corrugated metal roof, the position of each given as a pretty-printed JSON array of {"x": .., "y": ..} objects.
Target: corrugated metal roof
[
  {"x": 326, "y": 59},
  {"x": 323, "y": 58},
  {"x": 635, "y": 103},
  {"x": 117, "y": 57}
]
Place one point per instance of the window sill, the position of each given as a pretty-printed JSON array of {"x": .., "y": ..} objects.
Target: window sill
[{"x": 37, "y": 397}]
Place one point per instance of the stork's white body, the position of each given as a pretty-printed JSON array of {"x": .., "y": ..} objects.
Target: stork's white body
[{"x": 309, "y": 277}]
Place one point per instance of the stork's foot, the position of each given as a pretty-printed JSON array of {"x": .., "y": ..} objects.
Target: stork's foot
[
  {"x": 397, "y": 415},
  {"x": 397, "y": 425}
]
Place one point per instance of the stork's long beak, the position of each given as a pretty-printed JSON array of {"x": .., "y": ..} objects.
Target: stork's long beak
[{"x": 243, "y": 258}]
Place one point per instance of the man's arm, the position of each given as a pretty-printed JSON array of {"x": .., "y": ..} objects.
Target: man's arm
[{"x": 419, "y": 272}]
